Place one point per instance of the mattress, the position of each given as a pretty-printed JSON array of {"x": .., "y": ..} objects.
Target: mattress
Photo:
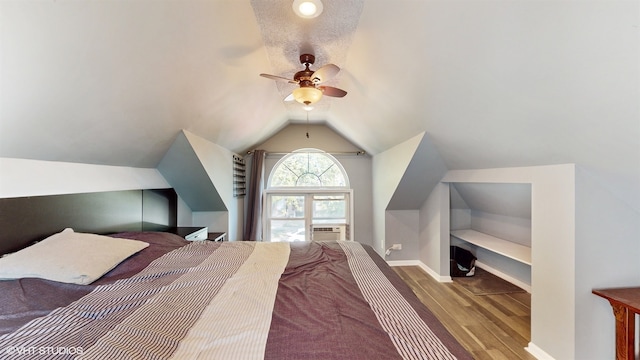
[{"x": 229, "y": 300}]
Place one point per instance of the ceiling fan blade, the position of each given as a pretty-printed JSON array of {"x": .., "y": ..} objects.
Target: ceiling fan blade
[
  {"x": 280, "y": 78},
  {"x": 324, "y": 73},
  {"x": 289, "y": 98},
  {"x": 332, "y": 91}
]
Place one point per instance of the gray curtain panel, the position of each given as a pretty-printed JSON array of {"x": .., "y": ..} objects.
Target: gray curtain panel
[{"x": 253, "y": 223}]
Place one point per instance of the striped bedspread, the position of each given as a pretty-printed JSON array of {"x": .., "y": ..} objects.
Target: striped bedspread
[{"x": 244, "y": 300}]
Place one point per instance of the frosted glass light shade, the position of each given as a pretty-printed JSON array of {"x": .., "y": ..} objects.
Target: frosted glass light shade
[
  {"x": 307, "y": 95},
  {"x": 307, "y": 9}
]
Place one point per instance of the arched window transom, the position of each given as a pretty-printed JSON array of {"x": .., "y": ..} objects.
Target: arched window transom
[{"x": 308, "y": 168}]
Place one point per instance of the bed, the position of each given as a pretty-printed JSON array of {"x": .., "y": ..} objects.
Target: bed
[{"x": 175, "y": 299}]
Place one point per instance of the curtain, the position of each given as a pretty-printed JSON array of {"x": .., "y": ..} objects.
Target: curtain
[{"x": 253, "y": 223}]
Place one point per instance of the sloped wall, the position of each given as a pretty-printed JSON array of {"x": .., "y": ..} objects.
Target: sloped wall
[
  {"x": 404, "y": 177},
  {"x": 421, "y": 175},
  {"x": 387, "y": 169},
  {"x": 184, "y": 170},
  {"x": 23, "y": 177},
  {"x": 201, "y": 173}
]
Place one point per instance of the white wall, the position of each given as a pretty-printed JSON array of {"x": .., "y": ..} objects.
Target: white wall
[
  {"x": 388, "y": 168},
  {"x": 216, "y": 221},
  {"x": 218, "y": 163},
  {"x": 358, "y": 169},
  {"x": 434, "y": 233},
  {"x": 401, "y": 228},
  {"x": 23, "y": 177},
  {"x": 460, "y": 219},
  {"x": 607, "y": 253},
  {"x": 185, "y": 215},
  {"x": 512, "y": 228}
]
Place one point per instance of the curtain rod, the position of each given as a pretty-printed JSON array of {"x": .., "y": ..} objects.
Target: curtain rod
[{"x": 356, "y": 153}]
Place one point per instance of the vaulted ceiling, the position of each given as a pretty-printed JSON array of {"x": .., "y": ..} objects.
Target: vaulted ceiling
[{"x": 493, "y": 83}]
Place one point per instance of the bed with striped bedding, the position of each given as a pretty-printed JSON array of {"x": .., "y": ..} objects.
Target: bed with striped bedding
[{"x": 231, "y": 300}]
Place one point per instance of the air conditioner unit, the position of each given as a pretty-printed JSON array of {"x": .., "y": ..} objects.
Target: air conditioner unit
[{"x": 327, "y": 232}]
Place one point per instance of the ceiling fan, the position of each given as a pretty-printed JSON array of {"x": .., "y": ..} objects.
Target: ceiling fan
[{"x": 310, "y": 91}]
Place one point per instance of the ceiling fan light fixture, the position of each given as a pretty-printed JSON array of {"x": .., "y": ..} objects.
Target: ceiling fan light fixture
[
  {"x": 307, "y": 95},
  {"x": 307, "y": 9}
]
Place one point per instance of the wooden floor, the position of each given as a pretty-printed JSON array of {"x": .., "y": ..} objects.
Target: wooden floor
[{"x": 488, "y": 326}]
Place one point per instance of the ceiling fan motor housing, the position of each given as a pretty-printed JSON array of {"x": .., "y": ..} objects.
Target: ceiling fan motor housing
[
  {"x": 303, "y": 77},
  {"x": 307, "y": 59}
]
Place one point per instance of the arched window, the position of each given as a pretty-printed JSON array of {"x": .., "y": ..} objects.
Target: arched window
[
  {"x": 308, "y": 168},
  {"x": 308, "y": 198}
]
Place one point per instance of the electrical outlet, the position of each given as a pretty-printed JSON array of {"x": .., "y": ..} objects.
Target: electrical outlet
[{"x": 397, "y": 247}]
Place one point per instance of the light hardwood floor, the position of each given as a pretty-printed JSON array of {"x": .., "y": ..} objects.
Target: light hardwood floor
[{"x": 488, "y": 326}]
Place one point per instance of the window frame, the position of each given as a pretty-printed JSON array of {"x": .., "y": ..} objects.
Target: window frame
[
  {"x": 308, "y": 210},
  {"x": 308, "y": 150},
  {"x": 308, "y": 192}
]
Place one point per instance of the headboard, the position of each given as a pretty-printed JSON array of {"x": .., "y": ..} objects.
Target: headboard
[{"x": 24, "y": 220}]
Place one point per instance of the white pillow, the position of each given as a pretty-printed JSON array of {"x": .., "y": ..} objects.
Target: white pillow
[{"x": 69, "y": 257}]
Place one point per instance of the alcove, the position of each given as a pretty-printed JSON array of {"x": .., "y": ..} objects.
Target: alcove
[{"x": 493, "y": 221}]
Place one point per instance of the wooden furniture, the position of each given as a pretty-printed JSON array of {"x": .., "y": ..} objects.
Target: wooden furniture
[
  {"x": 503, "y": 247},
  {"x": 626, "y": 304},
  {"x": 198, "y": 233},
  {"x": 191, "y": 233}
]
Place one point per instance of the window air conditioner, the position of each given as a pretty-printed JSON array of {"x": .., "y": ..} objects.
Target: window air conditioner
[{"x": 327, "y": 232}]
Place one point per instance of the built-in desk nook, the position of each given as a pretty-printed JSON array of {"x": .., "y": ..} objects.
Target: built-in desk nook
[
  {"x": 497, "y": 245},
  {"x": 493, "y": 221}
]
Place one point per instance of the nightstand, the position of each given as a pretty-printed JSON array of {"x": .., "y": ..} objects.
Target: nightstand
[
  {"x": 217, "y": 236},
  {"x": 195, "y": 233}
]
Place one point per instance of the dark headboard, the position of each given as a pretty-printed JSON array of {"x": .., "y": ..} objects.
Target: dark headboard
[{"x": 24, "y": 220}]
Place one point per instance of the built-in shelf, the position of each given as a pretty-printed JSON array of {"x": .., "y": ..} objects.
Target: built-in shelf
[{"x": 500, "y": 246}]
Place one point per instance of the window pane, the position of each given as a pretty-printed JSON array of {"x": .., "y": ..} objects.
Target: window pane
[
  {"x": 287, "y": 206},
  {"x": 319, "y": 163},
  {"x": 310, "y": 169},
  {"x": 332, "y": 177},
  {"x": 333, "y": 207},
  {"x": 287, "y": 230},
  {"x": 309, "y": 180}
]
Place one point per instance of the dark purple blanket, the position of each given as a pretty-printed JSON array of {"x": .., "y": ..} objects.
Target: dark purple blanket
[{"x": 334, "y": 300}]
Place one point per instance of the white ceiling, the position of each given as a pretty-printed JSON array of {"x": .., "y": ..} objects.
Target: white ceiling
[{"x": 494, "y": 83}]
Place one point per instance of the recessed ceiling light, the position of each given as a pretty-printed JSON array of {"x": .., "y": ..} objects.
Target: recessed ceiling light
[{"x": 307, "y": 8}]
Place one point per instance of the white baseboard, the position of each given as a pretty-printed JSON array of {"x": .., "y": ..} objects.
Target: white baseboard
[
  {"x": 504, "y": 276},
  {"x": 537, "y": 352},
  {"x": 403, "y": 262},
  {"x": 422, "y": 266},
  {"x": 441, "y": 278}
]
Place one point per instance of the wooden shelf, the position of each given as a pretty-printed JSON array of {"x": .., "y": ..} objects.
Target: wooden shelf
[{"x": 500, "y": 246}]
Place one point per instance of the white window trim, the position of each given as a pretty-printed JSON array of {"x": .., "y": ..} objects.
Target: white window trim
[
  {"x": 310, "y": 150},
  {"x": 305, "y": 191}
]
